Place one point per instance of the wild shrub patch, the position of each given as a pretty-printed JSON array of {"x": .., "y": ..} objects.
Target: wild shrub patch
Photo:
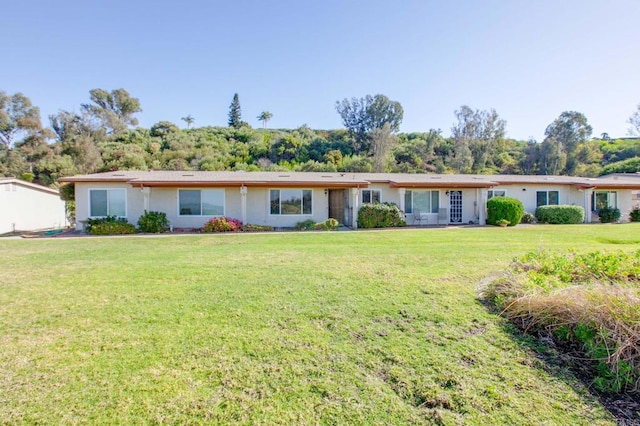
[{"x": 591, "y": 301}]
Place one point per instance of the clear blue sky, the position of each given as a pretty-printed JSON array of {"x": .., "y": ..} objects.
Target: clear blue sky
[{"x": 528, "y": 60}]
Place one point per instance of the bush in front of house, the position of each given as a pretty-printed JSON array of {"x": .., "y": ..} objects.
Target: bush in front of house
[
  {"x": 328, "y": 225},
  {"x": 380, "y": 215},
  {"x": 222, "y": 224},
  {"x": 305, "y": 225},
  {"x": 256, "y": 228},
  {"x": 504, "y": 208},
  {"x": 153, "y": 222},
  {"x": 109, "y": 225},
  {"x": 560, "y": 215},
  {"x": 634, "y": 215},
  {"x": 528, "y": 218},
  {"x": 609, "y": 215}
]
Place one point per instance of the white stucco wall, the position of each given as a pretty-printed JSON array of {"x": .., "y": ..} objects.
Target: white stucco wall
[
  {"x": 23, "y": 208},
  {"x": 527, "y": 194}
]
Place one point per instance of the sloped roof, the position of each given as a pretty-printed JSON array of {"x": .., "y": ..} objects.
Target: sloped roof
[
  {"x": 25, "y": 184},
  {"x": 343, "y": 180}
]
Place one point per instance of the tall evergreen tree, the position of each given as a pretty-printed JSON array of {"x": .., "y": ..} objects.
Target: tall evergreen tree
[{"x": 235, "y": 115}]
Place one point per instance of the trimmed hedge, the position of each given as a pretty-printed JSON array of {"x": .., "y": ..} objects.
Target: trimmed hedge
[
  {"x": 380, "y": 215},
  {"x": 110, "y": 225},
  {"x": 328, "y": 225},
  {"x": 560, "y": 215},
  {"x": 504, "y": 208},
  {"x": 153, "y": 222},
  {"x": 609, "y": 215}
]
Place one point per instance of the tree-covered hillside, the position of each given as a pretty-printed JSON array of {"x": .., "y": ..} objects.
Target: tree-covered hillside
[{"x": 102, "y": 136}]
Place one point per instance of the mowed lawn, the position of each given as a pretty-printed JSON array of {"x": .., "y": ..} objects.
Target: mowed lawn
[{"x": 379, "y": 327}]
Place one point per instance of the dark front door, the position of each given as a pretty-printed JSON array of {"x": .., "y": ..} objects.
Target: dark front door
[{"x": 337, "y": 205}]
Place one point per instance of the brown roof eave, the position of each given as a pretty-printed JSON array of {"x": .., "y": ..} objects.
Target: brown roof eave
[
  {"x": 254, "y": 184},
  {"x": 453, "y": 185}
]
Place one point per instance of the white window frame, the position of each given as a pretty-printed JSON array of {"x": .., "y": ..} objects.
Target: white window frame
[
  {"x": 593, "y": 200},
  {"x": 124, "y": 190},
  {"x": 302, "y": 213},
  {"x": 224, "y": 207},
  {"x": 409, "y": 206},
  {"x": 371, "y": 193},
  {"x": 492, "y": 193}
]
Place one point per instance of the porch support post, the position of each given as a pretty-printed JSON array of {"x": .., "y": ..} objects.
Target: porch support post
[
  {"x": 482, "y": 206},
  {"x": 243, "y": 204},
  {"x": 401, "y": 192},
  {"x": 354, "y": 212},
  {"x": 587, "y": 205},
  {"x": 146, "y": 191}
]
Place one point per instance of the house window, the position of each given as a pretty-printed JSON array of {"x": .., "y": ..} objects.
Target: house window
[
  {"x": 370, "y": 196},
  {"x": 107, "y": 202},
  {"x": 424, "y": 201},
  {"x": 604, "y": 199},
  {"x": 290, "y": 201},
  {"x": 496, "y": 193},
  {"x": 547, "y": 198},
  {"x": 201, "y": 202}
]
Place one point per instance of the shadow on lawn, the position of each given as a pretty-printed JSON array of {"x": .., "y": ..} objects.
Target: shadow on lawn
[{"x": 564, "y": 363}]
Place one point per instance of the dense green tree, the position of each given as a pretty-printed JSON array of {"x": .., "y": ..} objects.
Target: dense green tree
[
  {"x": 163, "y": 129},
  {"x": 17, "y": 115},
  {"x": 552, "y": 157},
  {"x": 569, "y": 129},
  {"x": 115, "y": 109},
  {"x": 265, "y": 116},
  {"x": 382, "y": 140},
  {"x": 235, "y": 113},
  {"x": 362, "y": 116},
  {"x": 478, "y": 136}
]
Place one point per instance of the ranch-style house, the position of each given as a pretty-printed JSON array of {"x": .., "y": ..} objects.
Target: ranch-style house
[{"x": 281, "y": 199}]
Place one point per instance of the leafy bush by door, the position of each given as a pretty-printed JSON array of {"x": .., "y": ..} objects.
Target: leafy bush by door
[
  {"x": 383, "y": 215},
  {"x": 562, "y": 214},
  {"x": 504, "y": 208},
  {"x": 153, "y": 222}
]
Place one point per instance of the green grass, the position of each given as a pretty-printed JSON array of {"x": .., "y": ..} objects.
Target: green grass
[{"x": 377, "y": 327}]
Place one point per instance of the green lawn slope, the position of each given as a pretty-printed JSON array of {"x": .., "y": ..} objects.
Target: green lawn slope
[{"x": 368, "y": 327}]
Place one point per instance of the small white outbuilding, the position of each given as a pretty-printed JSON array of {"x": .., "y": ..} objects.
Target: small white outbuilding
[{"x": 25, "y": 206}]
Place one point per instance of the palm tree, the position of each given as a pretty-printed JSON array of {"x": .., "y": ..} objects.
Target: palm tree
[
  {"x": 265, "y": 116},
  {"x": 189, "y": 120}
]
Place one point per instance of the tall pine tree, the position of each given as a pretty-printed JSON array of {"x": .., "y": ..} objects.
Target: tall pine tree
[{"x": 235, "y": 115}]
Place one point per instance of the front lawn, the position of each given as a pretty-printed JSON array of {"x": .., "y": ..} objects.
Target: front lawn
[{"x": 379, "y": 327}]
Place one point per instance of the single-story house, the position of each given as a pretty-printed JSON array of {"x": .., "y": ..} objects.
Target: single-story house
[
  {"x": 25, "y": 206},
  {"x": 281, "y": 199}
]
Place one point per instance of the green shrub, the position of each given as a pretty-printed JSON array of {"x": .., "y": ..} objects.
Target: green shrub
[
  {"x": 528, "y": 218},
  {"x": 153, "y": 222},
  {"x": 305, "y": 225},
  {"x": 634, "y": 215},
  {"x": 222, "y": 224},
  {"x": 590, "y": 300},
  {"x": 382, "y": 215},
  {"x": 110, "y": 225},
  {"x": 563, "y": 214},
  {"x": 504, "y": 208},
  {"x": 328, "y": 225},
  {"x": 609, "y": 215},
  {"x": 256, "y": 228}
]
